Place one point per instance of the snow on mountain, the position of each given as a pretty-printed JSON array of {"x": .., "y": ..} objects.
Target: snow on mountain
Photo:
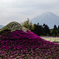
[{"x": 48, "y": 18}]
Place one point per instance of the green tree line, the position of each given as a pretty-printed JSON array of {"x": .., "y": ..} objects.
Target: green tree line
[{"x": 41, "y": 30}]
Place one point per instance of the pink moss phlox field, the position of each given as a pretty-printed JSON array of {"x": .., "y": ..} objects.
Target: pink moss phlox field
[
  {"x": 28, "y": 39},
  {"x": 21, "y": 40}
]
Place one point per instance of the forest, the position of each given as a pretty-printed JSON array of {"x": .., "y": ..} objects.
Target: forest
[{"x": 41, "y": 30}]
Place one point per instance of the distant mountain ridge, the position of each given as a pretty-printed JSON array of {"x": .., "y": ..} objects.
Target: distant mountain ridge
[
  {"x": 48, "y": 18},
  {"x": 1, "y": 26}
]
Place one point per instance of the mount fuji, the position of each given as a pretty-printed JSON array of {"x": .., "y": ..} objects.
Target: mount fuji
[{"x": 48, "y": 18}]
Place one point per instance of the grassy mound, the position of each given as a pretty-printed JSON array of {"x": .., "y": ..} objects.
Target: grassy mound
[{"x": 12, "y": 26}]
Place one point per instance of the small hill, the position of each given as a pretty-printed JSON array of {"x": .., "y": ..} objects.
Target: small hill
[{"x": 13, "y": 26}]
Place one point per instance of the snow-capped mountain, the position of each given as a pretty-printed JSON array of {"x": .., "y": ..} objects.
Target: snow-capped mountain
[{"x": 48, "y": 18}]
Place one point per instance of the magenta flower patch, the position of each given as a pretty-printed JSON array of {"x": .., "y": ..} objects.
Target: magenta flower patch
[{"x": 21, "y": 40}]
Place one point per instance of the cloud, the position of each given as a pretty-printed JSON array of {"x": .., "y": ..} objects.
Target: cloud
[{"x": 19, "y": 10}]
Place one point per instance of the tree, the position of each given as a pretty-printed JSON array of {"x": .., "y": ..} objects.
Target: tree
[
  {"x": 31, "y": 27},
  {"x": 57, "y": 32},
  {"x": 54, "y": 32},
  {"x": 58, "y": 26},
  {"x": 46, "y": 29},
  {"x": 38, "y": 29},
  {"x": 28, "y": 24},
  {"x": 55, "y": 27}
]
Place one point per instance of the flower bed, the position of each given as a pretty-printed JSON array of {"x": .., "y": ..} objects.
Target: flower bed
[{"x": 19, "y": 40}]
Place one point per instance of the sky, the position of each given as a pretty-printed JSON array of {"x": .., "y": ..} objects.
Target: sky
[{"x": 20, "y": 10}]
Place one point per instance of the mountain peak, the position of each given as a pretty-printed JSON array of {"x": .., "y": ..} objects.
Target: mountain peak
[
  {"x": 47, "y": 18},
  {"x": 49, "y": 14}
]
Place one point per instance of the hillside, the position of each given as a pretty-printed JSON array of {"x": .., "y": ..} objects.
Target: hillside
[{"x": 13, "y": 26}]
